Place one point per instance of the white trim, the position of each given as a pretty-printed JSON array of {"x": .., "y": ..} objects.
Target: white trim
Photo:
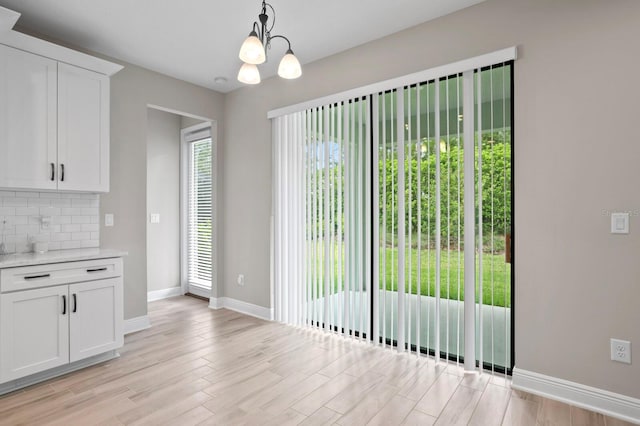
[
  {"x": 55, "y": 372},
  {"x": 599, "y": 400},
  {"x": 30, "y": 44},
  {"x": 487, "y": 59},
  {"x": 184, "y": 214},
  {"x": 165, "y": 293},
  {"x": 216, "y": 302},
  {"x": 241, "y": 307},
  {"x": 184, "y": 200},
  {"x": 196, "y": 132},
  {"x": 136, "y": 324},
  {"x": 8, "y": 19}
]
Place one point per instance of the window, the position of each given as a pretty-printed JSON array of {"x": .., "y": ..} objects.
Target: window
[{"x": 198, "y": 229}]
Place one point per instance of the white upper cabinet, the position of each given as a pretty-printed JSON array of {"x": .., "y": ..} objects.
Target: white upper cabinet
[
  {"x": 83, "y": 130},
  {"x": 28, "y": 120},
  {"x": 54, "y": 117}
]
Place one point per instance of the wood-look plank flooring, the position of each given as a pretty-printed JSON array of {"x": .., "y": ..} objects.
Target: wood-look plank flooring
[{"x": 196, "y": 366}]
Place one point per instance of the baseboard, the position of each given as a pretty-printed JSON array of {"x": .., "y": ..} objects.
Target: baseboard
[
  {"x": 242, "y": 307},
  {"x": 587, "y": 397},
  {"x": 136, "y": 324},
  {"x": 23, "y": 382},
  {"x": 216, "y": 302},
  {"x": 152, "y": 296}
]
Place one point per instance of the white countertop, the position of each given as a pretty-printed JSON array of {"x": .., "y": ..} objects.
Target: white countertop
[{"x": 57, "y": 256}]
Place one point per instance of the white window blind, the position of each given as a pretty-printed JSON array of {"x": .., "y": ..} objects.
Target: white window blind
[
  {"x": 391, "y": 216},
  {"x": 321, "y": 268},
  {"x": 199, "y": 226}
]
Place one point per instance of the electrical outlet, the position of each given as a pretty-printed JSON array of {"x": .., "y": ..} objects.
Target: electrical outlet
[
  {"x": 621, "y": 351},
  {"x": 45, "y": 222},
  {"x": 240, "y": 279},
  {"x": 108, "y": 219}
]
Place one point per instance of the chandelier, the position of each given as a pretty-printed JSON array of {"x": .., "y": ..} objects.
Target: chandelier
[{"x": 253, "y": 50}]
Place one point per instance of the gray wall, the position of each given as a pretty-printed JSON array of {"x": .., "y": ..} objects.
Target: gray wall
[
  {"x": 132, "y": 90},
  {"x": 163, "y": 197},
  {"x": 575, "y": 158}
]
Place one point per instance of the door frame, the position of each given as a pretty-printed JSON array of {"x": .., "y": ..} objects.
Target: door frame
[{"x": 184, "y": 209}]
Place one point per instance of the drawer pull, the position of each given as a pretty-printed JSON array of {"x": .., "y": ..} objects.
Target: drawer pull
[
  {"x": 64, "y": 305},
  {"x": 97, "y": 269},
  {"x": 35, "y": 277}
]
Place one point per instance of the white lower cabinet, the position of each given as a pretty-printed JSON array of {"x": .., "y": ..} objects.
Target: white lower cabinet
[
  {"x": 34, "y": 331},
  {"x": 48, "y": 327},
  {"x": 95, "y": 321}
]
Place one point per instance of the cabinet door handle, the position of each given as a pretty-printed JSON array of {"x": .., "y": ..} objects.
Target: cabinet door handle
[
  {"x": 75, "y": 303},
  {"x": 61, "y": 172},
  {"x": 97, "y": 269},
  {"x": 53, "y": 171},
  {"x": 35, "y": 277},
  {"x": 64, "y": 305}
]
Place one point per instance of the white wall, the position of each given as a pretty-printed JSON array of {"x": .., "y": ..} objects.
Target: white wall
[
  {"x": 576, "y": 158},
  {"x": 163, "y": 198}
]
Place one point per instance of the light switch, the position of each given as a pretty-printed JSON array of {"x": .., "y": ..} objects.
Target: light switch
[
  {"x": 154, "y": 218},
  {"x": 619, "y": 223},
  {"x": 108, "y": 219}
]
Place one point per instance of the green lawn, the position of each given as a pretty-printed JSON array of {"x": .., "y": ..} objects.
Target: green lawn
[{"x": 496, "y": 274}]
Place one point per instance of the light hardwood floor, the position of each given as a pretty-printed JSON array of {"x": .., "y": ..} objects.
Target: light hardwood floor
[{"x": 198, "y": 366}]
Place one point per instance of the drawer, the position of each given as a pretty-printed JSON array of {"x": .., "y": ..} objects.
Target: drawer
[{"x": 29, "y": 277}]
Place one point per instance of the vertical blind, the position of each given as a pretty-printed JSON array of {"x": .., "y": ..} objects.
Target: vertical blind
[
  {"x": 391, "y": 213},
  {"x": 199, "y": 247},
  {"x": 322, "y": 226}
]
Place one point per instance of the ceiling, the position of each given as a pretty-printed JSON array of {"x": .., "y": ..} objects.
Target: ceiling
[{"x": 198, "y": 40}]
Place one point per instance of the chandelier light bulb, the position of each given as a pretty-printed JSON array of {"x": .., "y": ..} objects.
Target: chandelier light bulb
[
  {"x": 249, "y": 74},
  {"x": 289, "y": 66},
  {"x": 252, "y": 50}
]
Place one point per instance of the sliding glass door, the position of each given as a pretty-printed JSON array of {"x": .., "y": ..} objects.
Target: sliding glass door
[
  {"x": 393, "y": 217},
  {"x": 425, "y": 214}
]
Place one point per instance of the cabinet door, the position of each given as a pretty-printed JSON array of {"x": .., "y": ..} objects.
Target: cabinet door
[
  {"x": 96, "y": 317},
  {"x": 83, "y": 130},
  {"x": 34, "y": 331},
  {"x": 28, "y": 121}
]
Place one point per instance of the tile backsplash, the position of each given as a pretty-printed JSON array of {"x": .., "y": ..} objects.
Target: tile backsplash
[{"x": 62, "y": 220}]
